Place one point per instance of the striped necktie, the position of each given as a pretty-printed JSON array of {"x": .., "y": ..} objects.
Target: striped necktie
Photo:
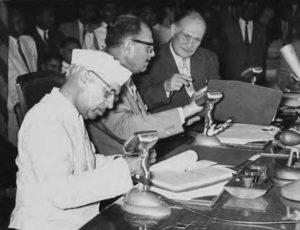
[
  {"x": 134, "y": 93},
  {"x": 185, "y": 70}
]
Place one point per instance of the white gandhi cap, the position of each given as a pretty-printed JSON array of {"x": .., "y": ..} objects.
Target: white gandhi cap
[{"x": 103, "y": 64}]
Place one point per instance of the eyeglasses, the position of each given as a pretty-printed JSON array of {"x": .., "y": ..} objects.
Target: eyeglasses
[
  {"x": 109, "y": 91},
  {"x": 149, "y": 44}
]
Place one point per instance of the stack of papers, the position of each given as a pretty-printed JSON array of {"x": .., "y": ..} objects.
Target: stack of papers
[
  {"x": 184, "y": 178},
  {"x": 244, "y": 134}
]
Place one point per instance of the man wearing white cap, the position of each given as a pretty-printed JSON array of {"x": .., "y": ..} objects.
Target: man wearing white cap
[
  {"x": 60, "y": 179},
  {"x": 130, "y": 41}
]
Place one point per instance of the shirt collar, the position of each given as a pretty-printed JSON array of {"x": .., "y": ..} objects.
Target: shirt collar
[
  {"x": 243, "y": 22},
  {"x": 41, "y": 32},
  {"x": 177, "y": 58}
]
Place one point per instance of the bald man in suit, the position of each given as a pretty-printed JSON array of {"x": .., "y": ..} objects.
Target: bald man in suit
[{"x": 181, "y": 66}]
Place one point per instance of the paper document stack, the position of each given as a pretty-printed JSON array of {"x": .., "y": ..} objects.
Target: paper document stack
[
  {"x": 184, "y": 178},
  {"x": 244, "y": 134}
]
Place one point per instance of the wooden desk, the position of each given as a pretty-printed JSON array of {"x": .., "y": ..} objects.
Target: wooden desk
[{"x": 271, "y": 207}]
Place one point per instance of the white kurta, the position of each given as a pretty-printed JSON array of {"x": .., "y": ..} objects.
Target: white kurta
[{"x": 60, "y": 178}]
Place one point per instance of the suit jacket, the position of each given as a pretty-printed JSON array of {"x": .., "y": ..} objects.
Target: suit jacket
[
  {"x": 17, "y": 66},
  {"x": 204, "y": 66},
  {"x": 234, "y": 57},
  {"x": 120, "y": 123},
  {"x": 71, "y": 29},
  {"x": 54, "y": 40}
]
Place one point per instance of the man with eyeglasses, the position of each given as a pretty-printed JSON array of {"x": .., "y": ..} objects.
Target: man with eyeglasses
[
  {"x": 130, "y": 41},
  {"x": 60, "y": 179},
  {"x": 181, "y": 66}
]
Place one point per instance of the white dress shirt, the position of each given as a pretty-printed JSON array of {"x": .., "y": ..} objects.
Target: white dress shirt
[
  {"x": 250, "y": 28},
  {"x": 60, "y": 179},
  {"x": 183, "y": 68}
]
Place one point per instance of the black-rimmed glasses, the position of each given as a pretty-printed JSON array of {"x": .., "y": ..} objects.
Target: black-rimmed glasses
[
  {"x": 109, "y": 91},
  {"x": 149, "y": 44}
]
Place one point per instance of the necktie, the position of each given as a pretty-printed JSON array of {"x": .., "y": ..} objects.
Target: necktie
[
  {"x": 133, "y": 92},
  {"x": 247, "y": 41},
  {"x": 232, "y": 12},
  {"x": 46, "y": 37},
  {"x": 185, "y": 70},
  {"x": 22, "y": 55}
]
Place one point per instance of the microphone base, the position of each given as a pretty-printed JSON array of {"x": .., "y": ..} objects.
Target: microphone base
[{"x": 145, "y": 203}]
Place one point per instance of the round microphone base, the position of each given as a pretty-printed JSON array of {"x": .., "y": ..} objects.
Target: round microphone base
[
  {"x": 203, "y": 140},
  {"x": 145, "y": 203}
]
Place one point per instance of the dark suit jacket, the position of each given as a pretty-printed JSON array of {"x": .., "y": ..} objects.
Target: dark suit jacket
[
  {"x": 54, "y": 40},
  {"x": 70, "y": 29},
  {"x": 234, "y": 58},
  {"x": 204, "y": 66}
]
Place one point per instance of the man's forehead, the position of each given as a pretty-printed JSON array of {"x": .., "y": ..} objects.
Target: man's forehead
[
  {"x": 192, "y": 26},
  {"x": 146, "y": 33}
]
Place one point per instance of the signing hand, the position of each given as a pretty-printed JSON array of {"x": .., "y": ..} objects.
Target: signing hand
[
  {"x": 134, "y": 164},
  {"x": 177, "y": 81},
  {"x": 192, "y": 120}
]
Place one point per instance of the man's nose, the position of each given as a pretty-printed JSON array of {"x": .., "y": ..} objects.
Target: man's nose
[
  {"x": 190, "y": 43},
  {"x": 152, "y": 53}
]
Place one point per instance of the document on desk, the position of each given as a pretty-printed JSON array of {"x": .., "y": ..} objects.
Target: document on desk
[
  {"x": 244, "y": 134},
  {"x": 182, "y": 177}
]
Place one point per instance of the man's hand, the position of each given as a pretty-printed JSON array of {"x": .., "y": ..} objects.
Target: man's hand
[
  {"x": 192, "y": 120},
  {"x": 200, "y": 96},
  {"x": 134, "y": 164},
  {"x": 191, "y": 109},
  {"x": 177, "y": 81}
]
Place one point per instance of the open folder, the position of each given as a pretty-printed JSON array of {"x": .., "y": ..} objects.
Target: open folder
[
  {"x": 182, "y": 177},
  {"x": 245, "y": 103}
]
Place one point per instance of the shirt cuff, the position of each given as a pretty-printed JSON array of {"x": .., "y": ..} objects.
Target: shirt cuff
[{"x": 181, "y": 115}]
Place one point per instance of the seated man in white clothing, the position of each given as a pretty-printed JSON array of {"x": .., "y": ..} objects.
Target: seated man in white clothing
[{"x": 60, "y": 179}]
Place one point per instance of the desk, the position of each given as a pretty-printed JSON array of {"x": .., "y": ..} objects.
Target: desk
[{"x": 270, "y": 207}]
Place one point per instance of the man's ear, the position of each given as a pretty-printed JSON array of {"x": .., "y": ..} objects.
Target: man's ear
[
  {"x": 128, "y": 47},
  {"x": 84, "y": 77}
]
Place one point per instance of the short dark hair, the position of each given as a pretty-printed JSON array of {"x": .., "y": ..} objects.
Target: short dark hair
[
  {"x": 69, "y": 40},
  {"x": 125, "y": 26}
]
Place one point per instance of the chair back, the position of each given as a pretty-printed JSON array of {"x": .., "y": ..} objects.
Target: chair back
[{"x": 32, "y": 87}]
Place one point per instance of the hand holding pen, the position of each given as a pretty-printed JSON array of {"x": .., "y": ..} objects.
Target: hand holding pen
[{"x": 177, "y": 81}]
